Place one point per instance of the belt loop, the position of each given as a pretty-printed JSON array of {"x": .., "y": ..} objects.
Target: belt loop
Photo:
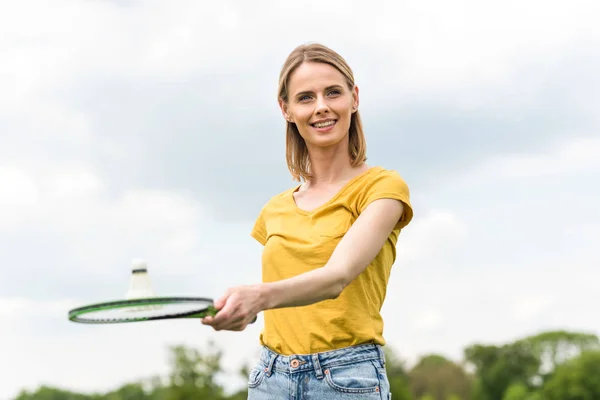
[
  {"x": 272, "y": 358},
  {"x": 271, "y": 363},
  {"x": 317, "y": 364},
  {"x": 381, "y": 355}
]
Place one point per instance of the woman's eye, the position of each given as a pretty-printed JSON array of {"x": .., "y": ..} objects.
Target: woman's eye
[
  {"x": 305, "y": 97},
  {"x": 334, "y": 92}
]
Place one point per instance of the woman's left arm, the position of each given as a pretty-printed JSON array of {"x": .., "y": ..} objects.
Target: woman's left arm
[{"x": 355, "y": 251}]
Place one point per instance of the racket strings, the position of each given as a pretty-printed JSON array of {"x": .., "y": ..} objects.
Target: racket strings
[{"x": 139, "y": 311}]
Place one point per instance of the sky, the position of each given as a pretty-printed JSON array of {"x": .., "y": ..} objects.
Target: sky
[{"x": 151, "y": 129}]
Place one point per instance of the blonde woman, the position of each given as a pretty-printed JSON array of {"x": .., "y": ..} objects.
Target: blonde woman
[{"x": 329, "y": 245}]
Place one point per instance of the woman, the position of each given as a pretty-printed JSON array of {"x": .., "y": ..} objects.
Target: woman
[{"x": 329, "y": 245}]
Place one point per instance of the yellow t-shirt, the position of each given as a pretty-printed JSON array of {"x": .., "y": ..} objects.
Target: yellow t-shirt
[{"x": 296, "y": 241}]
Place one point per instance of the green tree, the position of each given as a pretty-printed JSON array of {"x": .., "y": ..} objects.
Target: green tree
[
  {"x": 49, "y": 393},
  {"x": 498, "y": 367},
  {"x": 400, "y": 389},
  {"x": 576, "y": 379},
  {"x": 439, "y": 377},
  {"x": 194, "y": 374},
  {"x": 130, "y": 391},
  {"x": 537, "y": 395},
  {"x": 397, "y": 376},
  {"x": 516, "y": 391},
  {"x": 557, "y": 347},
  {"x": 553, "y": 348}
]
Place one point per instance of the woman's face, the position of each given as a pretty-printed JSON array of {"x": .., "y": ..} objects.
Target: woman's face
[{"x": 320, "y": 104}]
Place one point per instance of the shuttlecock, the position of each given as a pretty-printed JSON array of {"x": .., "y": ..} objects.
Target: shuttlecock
[{"x": 140, "y": 285}]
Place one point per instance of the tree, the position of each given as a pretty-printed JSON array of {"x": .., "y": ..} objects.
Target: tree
[
  {"x": 49, "y": 393},
  {"x": 400, "y": 389},
  {"x": 130, "y": 391},
  {"x": 194, "y": 374},
  {"x": 397, "y": 375},
  {"x": 440, "y": 378},
  {"x": 516, "y": 391},
  {"x": 556, "y": 365},
  {"x": 498, "y": 367},
  {"x": 576, "y": 379},
  {"x": 556, "y": 347}
]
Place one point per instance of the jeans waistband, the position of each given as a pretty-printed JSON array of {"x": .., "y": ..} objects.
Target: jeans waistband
[{"x": 271, "y": 360}]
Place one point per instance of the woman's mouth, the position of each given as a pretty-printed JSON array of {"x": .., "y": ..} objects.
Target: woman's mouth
[{"x": 324, "y": 125}]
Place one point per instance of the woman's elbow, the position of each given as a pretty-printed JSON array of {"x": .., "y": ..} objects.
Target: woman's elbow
[{"x": 337, "y": 287}]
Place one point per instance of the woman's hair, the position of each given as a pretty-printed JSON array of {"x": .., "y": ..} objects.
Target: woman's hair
[{"x": 297, "y": 157}]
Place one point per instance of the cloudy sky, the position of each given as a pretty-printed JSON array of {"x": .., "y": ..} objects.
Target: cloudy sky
[{"x": 151, "y": 129}]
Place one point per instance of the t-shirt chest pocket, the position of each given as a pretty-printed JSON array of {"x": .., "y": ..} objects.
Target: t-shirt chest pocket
[{"x": 332, "y": 223}]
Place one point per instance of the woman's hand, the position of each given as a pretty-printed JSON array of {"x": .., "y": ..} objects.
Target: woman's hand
[{"x": 236, "y": 308}]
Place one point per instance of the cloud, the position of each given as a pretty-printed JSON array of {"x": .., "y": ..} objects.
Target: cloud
[
  {"x": 434, "y": 235},
  {"x": 20, "y": 191},
  {"x": 428, "y": 320},
  {"x": 530, "y": 306},
  {"x": 14, "y": 308},
  {"x": 92, "y": 358},
  {"x": 66, "y": 221},
  {"x": 148, "y": 129},
  {"x": 187, "y": 106},
  {"x": 570, "y": 156},
  {"x": 73, "y": 197},
  {"x": 70, "y": 185},
  {"x": 443, "y": 310}
]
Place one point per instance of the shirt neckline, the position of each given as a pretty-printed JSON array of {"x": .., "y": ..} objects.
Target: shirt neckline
[{"x": 334, "y": 197}]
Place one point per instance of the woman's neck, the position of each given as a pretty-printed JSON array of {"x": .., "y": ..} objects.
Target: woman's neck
[{"x": 332, "y": 166}]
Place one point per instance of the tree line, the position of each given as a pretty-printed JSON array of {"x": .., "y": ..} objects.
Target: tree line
[{"x": 552, "y": 365}]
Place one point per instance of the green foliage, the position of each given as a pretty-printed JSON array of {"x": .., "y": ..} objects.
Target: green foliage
[
  {"x": 399, "y": 388},
  {"x": 432, "y": 360},
  {"x": 440, "y": 378},
  {"x": 131, "y": 391},
  {"x": 554, "y": 365},
  {"x": 397, "y": 376},
  {"x": 192, "y": 369},
  {"x": 555, "y": 347},
  {"x": 48, "y": 393},
  {"x": 499, "y": 367},
  {"x": 394, "y": 364},
  {"x": 535, "y": 396},
  {"x": 478, "y": 391},
  {"x": 516, "y": 391},
  {"x": 577, "y": 379}
]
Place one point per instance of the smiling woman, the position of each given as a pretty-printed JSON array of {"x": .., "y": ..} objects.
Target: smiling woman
[
  {"x": 320, "y": 102},
  {"x": 329, "y": 246}
]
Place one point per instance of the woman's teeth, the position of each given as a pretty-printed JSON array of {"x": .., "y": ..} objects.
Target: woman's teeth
[{"x": 324, "y": 124}]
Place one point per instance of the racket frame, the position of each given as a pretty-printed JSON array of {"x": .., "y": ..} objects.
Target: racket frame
[{"x": 75, "y": 313}]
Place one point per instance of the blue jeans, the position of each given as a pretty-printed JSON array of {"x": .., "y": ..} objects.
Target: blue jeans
[{"x": 352, "y": 373}]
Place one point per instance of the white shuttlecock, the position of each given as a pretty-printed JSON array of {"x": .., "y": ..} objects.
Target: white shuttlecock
[{"x": 140, "y": 285}]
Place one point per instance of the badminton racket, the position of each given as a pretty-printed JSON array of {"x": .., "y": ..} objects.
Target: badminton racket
[{"x": 143, "y": 309}]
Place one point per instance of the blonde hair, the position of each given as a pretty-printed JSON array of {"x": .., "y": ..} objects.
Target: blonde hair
[{"x": 297, "y": 157}]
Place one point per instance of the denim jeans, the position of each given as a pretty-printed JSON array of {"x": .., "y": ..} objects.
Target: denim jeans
[{"x": 356, "y": 372}]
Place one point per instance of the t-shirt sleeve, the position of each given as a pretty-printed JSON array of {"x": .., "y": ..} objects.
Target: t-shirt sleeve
[
  {"x": 259, "y": 230},
  {"x": 388, "y": 185}
]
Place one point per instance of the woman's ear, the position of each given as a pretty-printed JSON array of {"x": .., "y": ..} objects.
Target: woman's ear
[
  {"x": 355, "y": 99},
  {"x": 284, "y": 111}
]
